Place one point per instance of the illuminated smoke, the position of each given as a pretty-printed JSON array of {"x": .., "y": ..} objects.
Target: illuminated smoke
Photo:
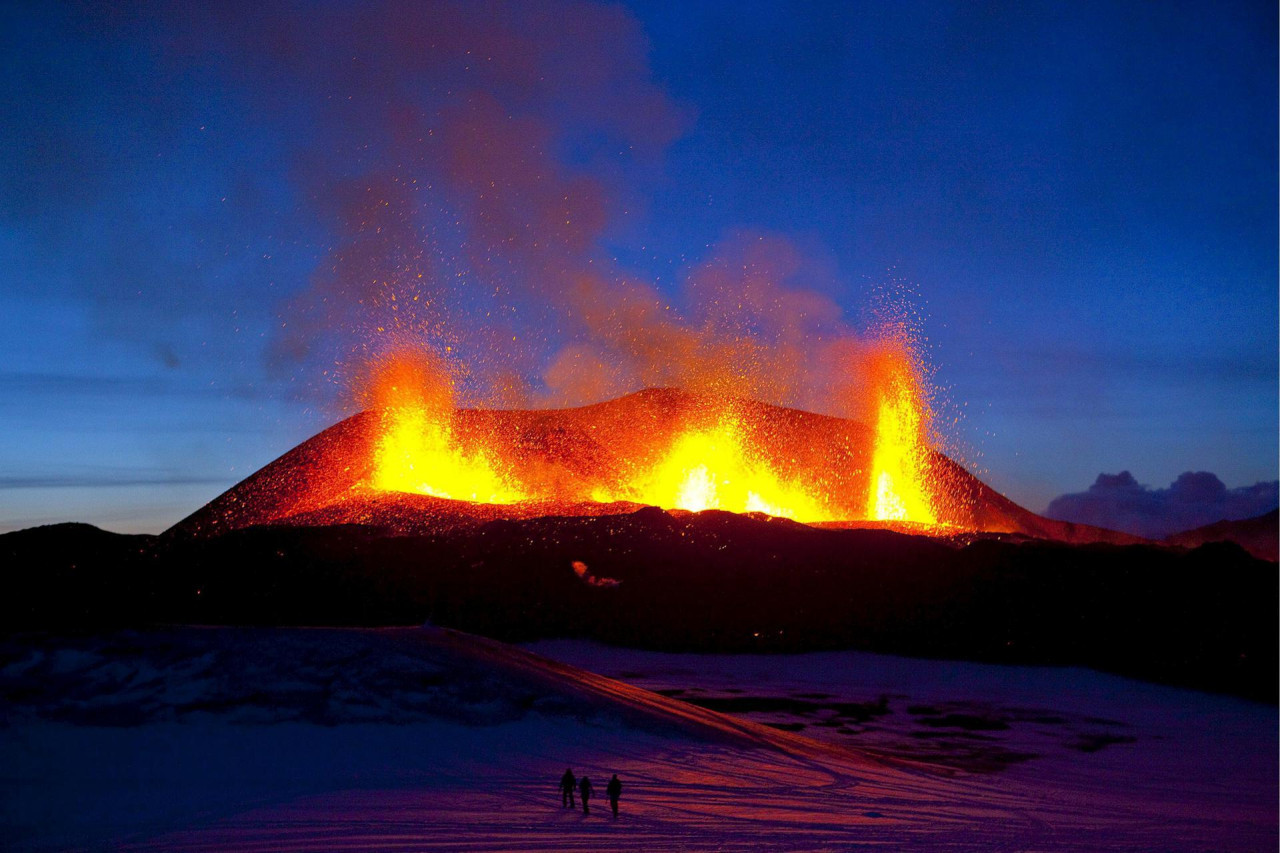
[
  {"x": 584, "y": 574},
  {"x": 417, "y": 448},
  {"x": 470, "y": 162}
]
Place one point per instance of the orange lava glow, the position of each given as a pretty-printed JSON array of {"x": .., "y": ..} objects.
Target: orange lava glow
[
  {"x": 418, "y": 453},
  {"x": 713, "y": 468},
  {"x": 417, "y": 450},
  {"x": 714, "y": 454},
  {"x": 899, "y": 487}
]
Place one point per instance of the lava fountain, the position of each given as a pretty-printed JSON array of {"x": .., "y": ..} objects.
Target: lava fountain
[
  {"x": 899, "y": 486},
  {"x": 714, "y": 455},
  {"x": 418, "y": 450},
  {"x": 714, "y": 468}
]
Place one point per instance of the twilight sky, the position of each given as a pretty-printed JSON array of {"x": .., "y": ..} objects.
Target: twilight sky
[{"x": 203, "y": 215}]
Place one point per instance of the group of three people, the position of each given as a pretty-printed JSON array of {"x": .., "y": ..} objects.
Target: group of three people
[{"x": 567, "y": 783}]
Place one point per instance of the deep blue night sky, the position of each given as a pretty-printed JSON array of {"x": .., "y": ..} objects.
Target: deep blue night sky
[{"x": 1080, "y": 199}]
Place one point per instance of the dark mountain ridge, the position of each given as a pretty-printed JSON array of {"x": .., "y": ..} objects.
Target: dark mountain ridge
[{"x": 710, "y": 581}]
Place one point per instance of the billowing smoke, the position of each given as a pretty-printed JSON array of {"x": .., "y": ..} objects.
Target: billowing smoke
[
  {"x": 471, "y": 160},
  {"x": 467, "y": 157},
  {"x": 1196, "y": 498},
  {"x": 391, "y": 175}
]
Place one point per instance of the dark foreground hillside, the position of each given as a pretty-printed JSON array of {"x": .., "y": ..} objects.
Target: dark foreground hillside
[
  {"x": 710, "y": 582},
  {"x": 1256, "y": 535}
]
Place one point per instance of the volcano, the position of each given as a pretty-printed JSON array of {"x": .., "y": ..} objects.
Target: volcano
[
  {"x": 583, "y": 458},
  {"x": 576, "y": 539}
]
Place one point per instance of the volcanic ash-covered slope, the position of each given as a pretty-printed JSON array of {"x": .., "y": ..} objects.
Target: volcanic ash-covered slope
[
  {"x": 326, "y": 479},
  {"x": 1260, "y": 536}
]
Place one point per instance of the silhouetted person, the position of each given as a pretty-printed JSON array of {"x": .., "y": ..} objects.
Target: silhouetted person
[
  {"x": 613, "y": 790},
  {"x": 584, "y": 788},
  {"x": 567, "y": 783}
]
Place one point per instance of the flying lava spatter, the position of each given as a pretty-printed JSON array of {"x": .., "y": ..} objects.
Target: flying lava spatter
[
  {"x": 418, "y": 451},
  {"x": 900, "y": 489},
  {"x": 713, "y": 468},
  {"x": 714, "y": 460}
]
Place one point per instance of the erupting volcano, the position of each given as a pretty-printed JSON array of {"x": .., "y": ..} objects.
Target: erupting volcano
[
  {"x": 412, "y": 462},
  {"x": 417, "y": 450},
  {"x": 718, "y": 454},
  {"x": 714, "y": 468}
]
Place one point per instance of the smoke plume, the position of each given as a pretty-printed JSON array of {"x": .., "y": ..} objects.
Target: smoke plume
[
  {"x": 470, "y": 161},
  {"x": 392, "y": 175}
]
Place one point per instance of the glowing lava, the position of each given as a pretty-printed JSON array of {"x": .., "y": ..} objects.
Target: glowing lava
[
  {"x": 716, "y": 458},
  {"x": 712, "y": 468},
  {"x": 418, "y": 451},
  {"x": 899, "y": 488}
]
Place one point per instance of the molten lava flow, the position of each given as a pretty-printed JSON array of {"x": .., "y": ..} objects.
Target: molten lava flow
[
  {"x": 417, "y": 450},
  {"x": 900, "y": 490},
  {"x": 711, "y": 468},
  {"x": 417, "y": 453},
  {"x": 717, "y": 457}
]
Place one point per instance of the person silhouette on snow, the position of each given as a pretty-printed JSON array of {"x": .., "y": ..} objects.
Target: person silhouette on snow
[
  {"x": 613, "y": 790},
  {"x": 567, "y": 783},
  {"x": 584, "y": 788}
]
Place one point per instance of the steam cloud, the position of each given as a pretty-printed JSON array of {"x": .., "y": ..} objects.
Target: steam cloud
[
  {"x": 1196, "y": 498},
  {"x": 391, "y": 174},
  {"x": 472, "y": 160}
]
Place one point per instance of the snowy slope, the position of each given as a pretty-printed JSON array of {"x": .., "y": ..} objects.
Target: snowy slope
[
  {"x": 1113, "y": 743},
  {"x": 422, "y": 739}
]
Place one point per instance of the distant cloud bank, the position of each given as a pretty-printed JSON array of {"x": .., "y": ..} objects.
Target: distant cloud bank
[{"x": 1196, "y": 498}]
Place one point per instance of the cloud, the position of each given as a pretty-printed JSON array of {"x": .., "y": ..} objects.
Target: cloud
[
  {"x": 1196, "y": 498},
  {"x": 184, "y": 168},
  {"x": 107, "y": 479},
  {"x": 465, "y": 159},
  {"x": 299, "y": 193},
  {"x": 17, "y": 387},
  {"x": 471, "y": 163}
]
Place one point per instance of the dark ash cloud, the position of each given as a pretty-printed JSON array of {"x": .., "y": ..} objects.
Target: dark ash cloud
[{"x": 1196, "y": 498}]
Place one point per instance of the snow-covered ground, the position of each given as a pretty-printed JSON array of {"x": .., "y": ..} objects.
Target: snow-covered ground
[
  {"x": 420, "y": 739},
  {"x": 969, "y": 716}
]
